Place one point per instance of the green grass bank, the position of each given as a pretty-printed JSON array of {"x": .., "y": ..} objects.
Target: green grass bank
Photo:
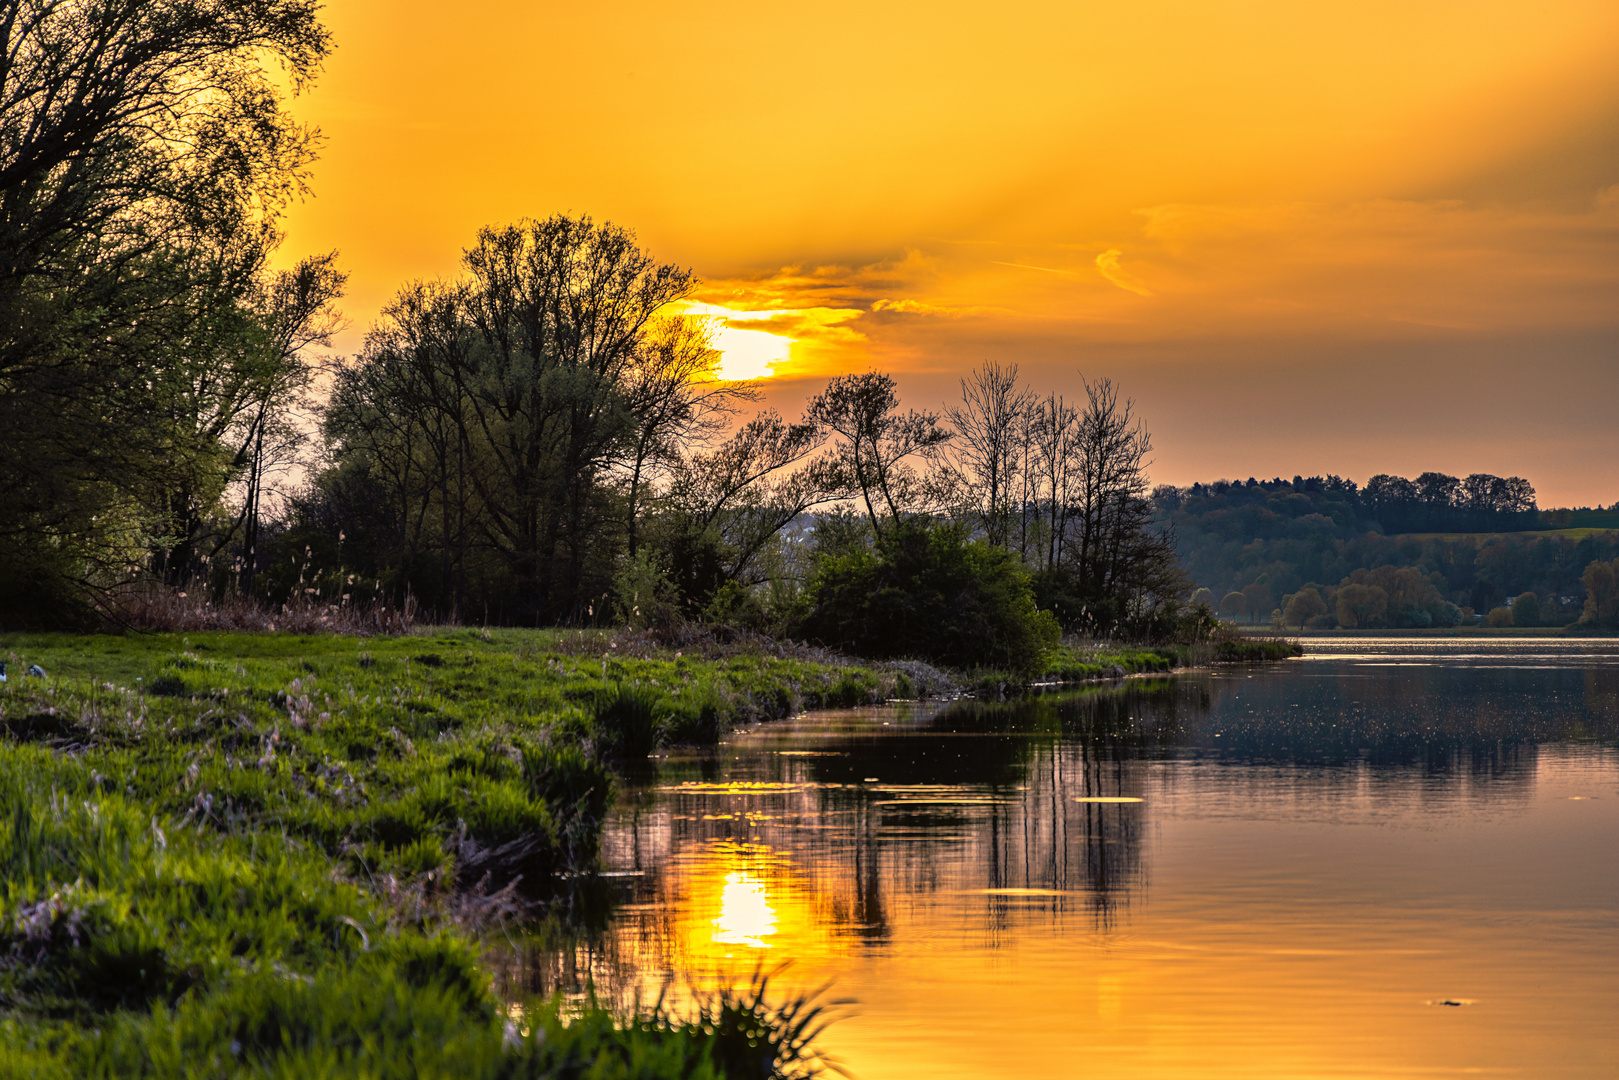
[
  {"x": 259, "y": 854},
  {"x": 272, "y": 855},
  {"x": 1088, "y": 663}
]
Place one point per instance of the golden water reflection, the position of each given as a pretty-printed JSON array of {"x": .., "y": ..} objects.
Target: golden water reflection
[
  {"x": 745, "y": 917},
  {"x": 1328, "y": 870}
]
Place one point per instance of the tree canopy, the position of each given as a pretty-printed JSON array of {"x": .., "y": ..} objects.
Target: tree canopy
[{"x": 144, "y": 156}]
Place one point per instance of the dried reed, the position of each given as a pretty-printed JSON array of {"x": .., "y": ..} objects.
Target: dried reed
[{"x": 148, "y": 606}]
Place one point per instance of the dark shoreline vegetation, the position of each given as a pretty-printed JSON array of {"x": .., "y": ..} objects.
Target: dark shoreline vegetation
[
  {"x": 286, "y": 853},
  {"x": 1323, "y": 553}
]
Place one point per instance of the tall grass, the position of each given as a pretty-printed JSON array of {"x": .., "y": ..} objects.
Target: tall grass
[
  {"x": 135, "y": 942},
  {"x": 749, "y": 1032},
  {"x": 631, "y": 720},
  {"x": 148, "y": 606}
]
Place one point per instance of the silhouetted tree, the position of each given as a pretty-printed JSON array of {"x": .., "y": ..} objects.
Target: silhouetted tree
[
  {"x": 728, "y": 504},
  {"x": 989, "y": 427},
  {"x": 144, "y": 156},
  {"x": 876, "y": 444}
]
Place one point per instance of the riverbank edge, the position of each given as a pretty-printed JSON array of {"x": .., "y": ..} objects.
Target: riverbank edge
[
  {"x": 1100, "y": 663},
  {"x": 332, "y": 791},
  {"x": 290, "y": 820}
]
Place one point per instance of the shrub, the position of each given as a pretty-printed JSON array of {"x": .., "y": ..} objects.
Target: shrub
[
  {"x": 630, "y": 720},
  {"x": 578, "y": 792},
  {"x": 929, "y": 593}
]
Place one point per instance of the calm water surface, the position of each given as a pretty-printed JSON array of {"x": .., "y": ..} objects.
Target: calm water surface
[{"x": 1390, "y": 858}]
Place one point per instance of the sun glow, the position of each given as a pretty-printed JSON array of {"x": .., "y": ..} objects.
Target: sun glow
[
  {"x": 735, "y": 897},
  {"x": 746, "y": 352},
  {"x": 749, "y": 354}
]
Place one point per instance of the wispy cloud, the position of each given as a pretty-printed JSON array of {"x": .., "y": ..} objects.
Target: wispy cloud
[
  {"x": 1108, "y": 264},
  {"x": 943, "y": 311},
  {"x": 1042, "y": 269}
]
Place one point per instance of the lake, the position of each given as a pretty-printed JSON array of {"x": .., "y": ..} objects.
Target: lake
[{"x": 1390, "y": 858}]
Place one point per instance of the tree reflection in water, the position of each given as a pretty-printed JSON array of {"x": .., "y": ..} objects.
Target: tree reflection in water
[
  {"x": 804, "y": 838},
  {"x": 814, "y": 839}
]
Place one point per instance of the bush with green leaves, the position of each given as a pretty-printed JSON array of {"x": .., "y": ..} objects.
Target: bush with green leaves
[
  {"x": 927, "y": 592},
  {"x": 631, "y": 720}
]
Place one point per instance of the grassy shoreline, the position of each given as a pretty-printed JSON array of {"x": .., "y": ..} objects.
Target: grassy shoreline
[{"x": 275, "y": 853}]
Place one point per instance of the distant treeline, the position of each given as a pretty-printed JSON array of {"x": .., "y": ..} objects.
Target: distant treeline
[{"x": 1271, "y": 539}]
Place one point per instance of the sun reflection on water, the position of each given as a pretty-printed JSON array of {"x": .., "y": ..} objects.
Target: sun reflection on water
[
  {"x": 732, "y": 896},
  {"x": 746, "y": 916},
  {"x": 1316, "y": 878}
]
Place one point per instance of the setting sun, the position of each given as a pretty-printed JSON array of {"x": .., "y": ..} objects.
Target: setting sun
[
  {"x": 749, "y": 354},
  {"x": 1187, "y": 198},
  {"x": 746, "y": 351}
]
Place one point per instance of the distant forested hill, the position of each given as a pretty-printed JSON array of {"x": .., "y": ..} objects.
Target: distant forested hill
[{"x": 1473, "y": 544}]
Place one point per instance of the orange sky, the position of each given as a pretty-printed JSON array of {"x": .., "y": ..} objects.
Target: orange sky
[{"x": 1345, "y": 237}]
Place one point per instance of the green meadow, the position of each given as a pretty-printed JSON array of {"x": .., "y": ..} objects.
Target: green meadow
[{"x": 260, "y": 854}]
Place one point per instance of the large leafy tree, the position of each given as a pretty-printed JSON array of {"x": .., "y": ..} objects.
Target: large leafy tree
[
  {"x": 144, "y": 156},
  {"x": 516, "y": 414}
]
